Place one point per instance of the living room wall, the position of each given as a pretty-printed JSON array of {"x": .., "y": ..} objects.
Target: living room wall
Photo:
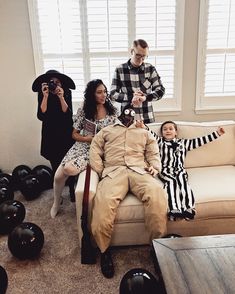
[{"x": 19, "y": 128}]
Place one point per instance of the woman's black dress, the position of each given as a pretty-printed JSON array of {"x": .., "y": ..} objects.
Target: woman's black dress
[{"x": 57, "y": 126}]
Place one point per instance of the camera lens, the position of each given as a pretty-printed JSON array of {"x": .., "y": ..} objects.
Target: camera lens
[{"x": 52, "y": 86}]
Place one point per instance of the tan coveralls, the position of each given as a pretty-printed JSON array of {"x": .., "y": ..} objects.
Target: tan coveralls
[{"x": 120, "y": 155}]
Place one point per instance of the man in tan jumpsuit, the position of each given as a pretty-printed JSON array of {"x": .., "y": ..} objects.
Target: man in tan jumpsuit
[{"x": 126, "y": 158}]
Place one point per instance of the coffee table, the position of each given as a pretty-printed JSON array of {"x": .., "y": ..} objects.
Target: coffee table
[{"x": 204, "y": 264}]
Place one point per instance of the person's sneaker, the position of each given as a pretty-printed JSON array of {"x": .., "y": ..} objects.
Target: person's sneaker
[
  {"x": 189, "y": 214},
  {"x": 171, "y": 218},
  {"x": 106, "y": 264},
  {"x": 174, "y": 215}
]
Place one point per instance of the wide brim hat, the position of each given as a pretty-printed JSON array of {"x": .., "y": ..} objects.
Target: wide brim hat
[{"x": 66, "y": 81}]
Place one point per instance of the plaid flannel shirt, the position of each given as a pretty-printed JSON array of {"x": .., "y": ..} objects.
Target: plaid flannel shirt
[{"x": 128, "y": 79}]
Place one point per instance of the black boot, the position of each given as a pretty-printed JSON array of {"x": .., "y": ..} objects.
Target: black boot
[
  {"x": 71, "y": 183},
  {"x": 106, "y": 264},
  {"x": 72, "y": 193}
]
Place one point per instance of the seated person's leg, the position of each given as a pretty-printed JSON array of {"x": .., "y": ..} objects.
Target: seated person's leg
[
  {"x": 71, "y": 170},
  {"x": 59, "y": 183},
  {"x": 188, "y": 201},
  {"x": 174, "y": 196},
  {"x": 108, "y": 196},
  {"x": 63, "y": 172},
  {"x": 150, "y": 191}
]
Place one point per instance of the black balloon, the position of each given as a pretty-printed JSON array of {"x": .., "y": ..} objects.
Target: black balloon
[
  {"x": 45, "y": 176},
  {"x": 5, "y": 179},
  {"x": 12, "y": 213},
  {"x": 138, "y": 281},
  {"x": 26, "y": 241},
  {"x": 18, "y": 173},
  {"x": 6, "y": 193},
  {"x": 3, "y": 280},
  {"x": 30, "y": 187}
]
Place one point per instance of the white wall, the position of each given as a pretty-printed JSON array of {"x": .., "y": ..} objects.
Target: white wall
[{"x": 19, "y": 127}]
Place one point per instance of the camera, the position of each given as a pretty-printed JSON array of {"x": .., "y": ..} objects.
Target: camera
[{"x": 52, "y": 85}]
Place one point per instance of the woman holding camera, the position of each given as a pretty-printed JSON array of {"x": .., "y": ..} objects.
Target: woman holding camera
[{"x": 55, "y": 112}]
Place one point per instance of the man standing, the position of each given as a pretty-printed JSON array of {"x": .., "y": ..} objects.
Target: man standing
[
  {"x": 126, "y": 158},
  {"x": 137, "y": 83}
]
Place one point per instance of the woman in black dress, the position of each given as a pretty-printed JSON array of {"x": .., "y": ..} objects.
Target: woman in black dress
[{"x": 55, "y": 112}]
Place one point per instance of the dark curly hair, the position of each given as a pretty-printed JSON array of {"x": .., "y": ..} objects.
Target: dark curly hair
[{"x": 89, "y": 106}]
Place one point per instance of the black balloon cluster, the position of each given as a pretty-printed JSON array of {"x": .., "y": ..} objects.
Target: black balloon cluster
[
  {"x": 31, "y": 182},
  {"x": 25, "y": 239},
  {"x": 24, "y": 242}
]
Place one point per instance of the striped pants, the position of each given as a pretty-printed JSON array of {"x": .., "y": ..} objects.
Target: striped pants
[{"x": 180, "y": 195}]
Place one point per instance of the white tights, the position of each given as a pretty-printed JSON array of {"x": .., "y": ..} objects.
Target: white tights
[{"x": 61, "y": 175}]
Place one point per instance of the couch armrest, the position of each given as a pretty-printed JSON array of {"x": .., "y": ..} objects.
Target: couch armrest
[{"x": 94, "y": 180}]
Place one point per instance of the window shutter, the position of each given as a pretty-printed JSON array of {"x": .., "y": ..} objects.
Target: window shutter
[
  {"x": 87, "y": 39},
  {"x": 216, "y": 55},
  {"x": 60, "y": 36},
  {"x": 156, "y": 22},
  {"x": 107, "y": 37},
  {"x": 107, "y": 25},
  {"x": 220, "y": 61}
]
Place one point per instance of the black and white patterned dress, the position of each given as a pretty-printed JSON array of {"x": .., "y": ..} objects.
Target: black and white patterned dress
[
  {"x": 79, "y": 152},
  {"x": 174, "y": 175}
]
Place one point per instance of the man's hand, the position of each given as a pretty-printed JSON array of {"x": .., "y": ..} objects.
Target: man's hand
[
  {"x": 138, "y": 98},
  {"x": 220, "y": 131},
  {"x": 152, "y": 171},
  {"x": 142, "y": 96},
  {"x": 139, "y": 124}
]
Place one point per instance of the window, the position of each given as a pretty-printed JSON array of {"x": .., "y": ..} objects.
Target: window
[
  {"x": 87, "y": 39},
  {"x": 216, "y": 56}
]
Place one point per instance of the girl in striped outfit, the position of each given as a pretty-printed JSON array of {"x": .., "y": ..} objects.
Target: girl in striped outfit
[{"x": 173, "y": 174}]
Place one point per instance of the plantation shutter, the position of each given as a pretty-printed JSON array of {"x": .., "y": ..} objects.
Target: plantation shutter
[
  {"x": 107, "y": 37},
  {"x": 216, "y": 75},
  {"x": 156, "y": 22},
  {"x": 87, "y": 39},
  {"x": 220, "y": 61},
  {"x": 60, "y": 38}
]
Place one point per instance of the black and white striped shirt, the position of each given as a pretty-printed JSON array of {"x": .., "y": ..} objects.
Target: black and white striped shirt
[{"x": 173, "y": 152}]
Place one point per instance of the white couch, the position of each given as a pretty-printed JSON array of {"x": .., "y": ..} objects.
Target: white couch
[{"x": 211, "y": 170}]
